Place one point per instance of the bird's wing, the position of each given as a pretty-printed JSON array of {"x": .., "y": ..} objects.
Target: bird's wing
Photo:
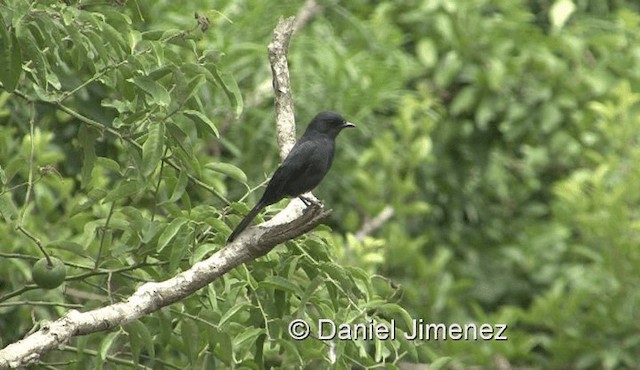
[{"x": 297, "y": 173}]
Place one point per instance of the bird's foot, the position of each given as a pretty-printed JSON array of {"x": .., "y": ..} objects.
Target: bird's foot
[{"x": 308, "y": 201}]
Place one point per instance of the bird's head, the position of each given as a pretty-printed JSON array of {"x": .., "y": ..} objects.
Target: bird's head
[{"x": 329, "y": 123}]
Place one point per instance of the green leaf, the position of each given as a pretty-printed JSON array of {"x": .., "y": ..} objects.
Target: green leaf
[
  {"x": 381, "y": 351},
  {"x": 179, "y": 188},
  {"x": 159, "y": 94},
  {"x": 178, "y": 251},
  {"x": 336, "y": 272},
  {"x": 163, "y": 333},
  {"x": 484, "y": 113},
  {"x": 124, "y": 189},
  {"x": 149, "y": 229},
  {"x": 247, "y": 335},
  {"x": 106, "y": 344},
  {"x": 87, "y": 138},
  {"x": 94, "y": 196},
  {"x": 153, "y": 148},
  {"x": 97, "y": 43},
  {"x": 192, "y": 87},
  {"x": 427, "y": 52},
  {"x": 69, "y": 246},
  {"x": 230, "y": 87},
  {"x": 309, "y": 291},
  {"x": 170, "y": 232},
  {"x": 218, "y": 225},
  {"x": 464, "y": 101},
  {"x": 232, "y": 312},
  {"x": 135, "y": 340},
  {"x": 393, "y": 308},
  {"x": 171, "y": 34},
  {"x": 229, "y": 170},
  {"x": 8, "y": 209},
  {"x": 190, "y": 338},
  {"x": 10, "y": 58},
  {"x": 440, "y": 363},
  {"x": 147, "y": 340},
  {"x": 109, "y": 164},
  {"x": 278, "y": 282},
  {"x": 200, "y": 119},
  {"x": 79, "y": 52},
  {"x": 259, "y": 354},
  {"x": 560, "y": 12},
  {"x": 448, "y": 69},
  {"x": 179, "y": 138},
  {"x": 203, "y": 250},
  {"x": 31, "y": 51},
  {"x": 153, "y": 35},
  {"x": 291, "y": 350},
  {"x": 18, "y": 9},
  {"x": 159, "y": 73},
  {"x": 114, "y": 38},
  {"x": 225, "y": 351}
]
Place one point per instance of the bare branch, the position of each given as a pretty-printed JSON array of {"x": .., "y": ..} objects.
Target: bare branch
[
  {"x": 285, "y": 120},
  {"x": 306, "y": 14},
  {"x": 375, "y": 223}
]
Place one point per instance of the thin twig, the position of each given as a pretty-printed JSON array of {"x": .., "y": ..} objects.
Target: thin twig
[
  {"x": 40, "y": 303},
  {"x": 36, "y": 241},
  {"x": 104, "y": 229},
  {"x": 375, "y": 223},
  {"x": 306, "y": 13},
  {"x": 27, "y": 194}
]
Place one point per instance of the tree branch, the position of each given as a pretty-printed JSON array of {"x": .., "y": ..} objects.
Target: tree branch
[
  {"x": 305, "y": 15},
  {"x": 285, "y": 120},
  {"x": 375, "y": 223}
]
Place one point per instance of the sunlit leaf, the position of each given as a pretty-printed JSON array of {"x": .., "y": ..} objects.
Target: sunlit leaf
[
  {"x": 170, "y": 232},
  {"x": 203, "y": 120},
  {"x": 560, "y": 12},
  {"x": 229, "y": 170},
  {"x": 10, "y": 58},
  {"x": 153, "y": 148},
  {"x": 156, "y": 91}
]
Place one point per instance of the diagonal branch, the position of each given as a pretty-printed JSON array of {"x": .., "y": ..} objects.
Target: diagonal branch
[{"x": 151, "y": 297}]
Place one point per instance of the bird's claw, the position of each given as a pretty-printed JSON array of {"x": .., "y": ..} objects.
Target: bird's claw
[{"x": 308, "y": 201}]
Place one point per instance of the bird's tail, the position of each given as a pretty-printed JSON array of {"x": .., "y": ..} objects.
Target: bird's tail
[{"x": 246, "y": 221}]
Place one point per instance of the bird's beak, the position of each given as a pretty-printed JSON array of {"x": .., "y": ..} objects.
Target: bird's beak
[{"x": 348, "y": 124}]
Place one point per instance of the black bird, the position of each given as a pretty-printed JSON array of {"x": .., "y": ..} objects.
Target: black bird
[{"x": 305, "y": 166}]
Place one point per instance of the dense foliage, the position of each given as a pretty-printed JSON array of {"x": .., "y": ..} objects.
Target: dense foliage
[{"x": 492, "y": 179}]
